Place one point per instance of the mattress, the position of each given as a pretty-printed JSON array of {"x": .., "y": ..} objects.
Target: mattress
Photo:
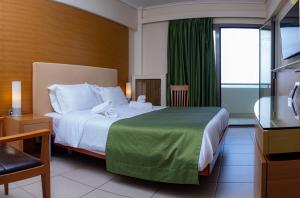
[{"x": 83, "y": 129}]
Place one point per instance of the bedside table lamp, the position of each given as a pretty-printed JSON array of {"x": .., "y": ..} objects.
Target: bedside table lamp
[
  {"x": 16, "y": 98},
  {"x": 128, "y": 90}
]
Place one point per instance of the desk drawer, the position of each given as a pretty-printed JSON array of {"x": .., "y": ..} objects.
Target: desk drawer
[
  {"x": 285, "y": 169},
  {"x": 37, "y": 126},
  {"x": 289, "y": 188}
]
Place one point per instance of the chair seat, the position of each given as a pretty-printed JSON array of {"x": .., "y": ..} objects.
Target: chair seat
[{"x": 12, "y": 160}]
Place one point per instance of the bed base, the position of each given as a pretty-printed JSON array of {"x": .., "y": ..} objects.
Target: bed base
[{"x": 206, "y": 172}]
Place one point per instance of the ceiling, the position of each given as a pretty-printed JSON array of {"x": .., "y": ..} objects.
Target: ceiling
[{"x": 145, "y": 3}]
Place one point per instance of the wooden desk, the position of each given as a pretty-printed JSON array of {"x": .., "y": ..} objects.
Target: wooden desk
[{"x": 277, "y": 138}]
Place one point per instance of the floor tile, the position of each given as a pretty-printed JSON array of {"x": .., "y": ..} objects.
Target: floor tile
[
  {"x": 60, "y": 188},
  {"x": 62, "y": 165},
  {"x": 94, "y": 177},
  {"x": 16, "y": 193},
  {"x": 236, "y": 149},
  {"x": 205, "y": 190},
  {"x": 239, "y": 159},
  {"x": 236, "y": 140},
  {"x": 237, "y": 174},
  {"x": 102, "y": 194},
  {"x": 130, "y": 187},
  {"x": 28, "y": 181},
  {"x": 11, "y": 186},
  {"x": 235, "y": 190}
]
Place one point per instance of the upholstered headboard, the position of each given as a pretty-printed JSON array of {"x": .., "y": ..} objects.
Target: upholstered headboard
[{"x": 46, "y": 74}]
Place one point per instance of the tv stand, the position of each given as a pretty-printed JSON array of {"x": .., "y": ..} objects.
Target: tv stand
[{"x": 277, "y": 138}]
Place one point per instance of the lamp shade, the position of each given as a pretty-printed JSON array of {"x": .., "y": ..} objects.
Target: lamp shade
[
  {"x": 16, "y": 98},
  {"x": 128, "y": 89}
]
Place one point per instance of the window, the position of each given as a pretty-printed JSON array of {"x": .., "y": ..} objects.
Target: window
[{"x": 239, "y": 56}]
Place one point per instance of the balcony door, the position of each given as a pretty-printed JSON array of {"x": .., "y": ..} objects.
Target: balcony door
[{"x": 239, "y": 72}]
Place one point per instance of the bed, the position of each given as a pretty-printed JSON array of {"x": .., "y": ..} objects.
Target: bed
[{"x": 94, "y": 128}]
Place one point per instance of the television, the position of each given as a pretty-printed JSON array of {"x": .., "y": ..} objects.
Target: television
[{"x": 290, "y": 33}]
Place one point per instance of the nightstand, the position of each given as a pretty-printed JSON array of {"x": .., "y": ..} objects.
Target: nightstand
[{"x": 25, "y": 123}]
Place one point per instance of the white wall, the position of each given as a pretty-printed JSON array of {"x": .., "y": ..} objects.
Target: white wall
[
  {"x": 273, "y": 7},
  {"x": 155, "y": 42},
  {"x": 114, "y": 10},
  {"x": 203, "y": 9}
]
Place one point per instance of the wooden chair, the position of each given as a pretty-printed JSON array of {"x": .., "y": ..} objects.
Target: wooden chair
[
  {"x": 179, "y": 95},
  {"x": 16, "y": 165}
]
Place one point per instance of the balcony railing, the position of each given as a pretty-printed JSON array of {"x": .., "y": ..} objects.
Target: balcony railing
[{"x": 240, "y": 98}]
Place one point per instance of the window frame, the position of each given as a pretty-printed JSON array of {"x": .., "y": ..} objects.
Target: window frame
[
  {"x": 217, "y": 28},
  {"x": 272, "y": 22}
]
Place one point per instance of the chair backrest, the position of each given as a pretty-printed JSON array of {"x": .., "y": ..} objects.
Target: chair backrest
[{"x": 179, "y": 95}]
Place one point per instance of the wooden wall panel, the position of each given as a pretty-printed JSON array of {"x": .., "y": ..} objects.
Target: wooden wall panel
[
  {"x": 46, "y": 31},
  {"x": 286, "y": 80},
  {"x": 151, "y": 88}
]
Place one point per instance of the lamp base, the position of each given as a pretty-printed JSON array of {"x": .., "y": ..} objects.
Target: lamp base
[{"x": 15, "y": 112}]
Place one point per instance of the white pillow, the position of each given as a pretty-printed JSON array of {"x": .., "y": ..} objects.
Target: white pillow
[
  {"x": 113, "y": 94},
  {"x": 97, "y": 91},
  {"x": 53, "y": 99},
  {"x": 74, "y": 97}
]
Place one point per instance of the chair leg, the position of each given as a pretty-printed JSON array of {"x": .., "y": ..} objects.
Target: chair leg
[
  {"x": 46, "y": 185},
  {"x": 6, "y": 189}
]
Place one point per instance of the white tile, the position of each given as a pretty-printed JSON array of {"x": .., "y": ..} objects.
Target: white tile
[
  {"x": 235, "y": 190},
  {"x": 102, "y": 194},
  {"x": 94, "y": 177},
  {"x": 10, "y": 186},
  {"x": 130, "y": 187},
  {"x": 204, "y": 190},
  {"x": 61, "y": 187},
  {"x": 237, "y": 174},
  {"x": 16, "y": 193},
  {"x": 61, "y": 165},
  {"x": 239, "y": 159},
  {"x": 28, "y": 181},
  {"x": 235, "y": 140},
  {"x": 239, "y": 149}
]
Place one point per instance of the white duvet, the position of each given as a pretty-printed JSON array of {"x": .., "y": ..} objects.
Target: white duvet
[{"x": 83, "y": 129}]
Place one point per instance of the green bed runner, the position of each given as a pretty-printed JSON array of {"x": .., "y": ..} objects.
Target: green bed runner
[{"x": 162, "y": 145}]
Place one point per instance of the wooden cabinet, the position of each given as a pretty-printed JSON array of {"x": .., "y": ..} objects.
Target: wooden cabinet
[
  {"x": 277, "y": 138},
  {"x": 283, "y": 177},
  {"x": 260, "y": 174},
  {"x": 275, "y": 141},
  {"x": 25, "y": 123},
  {"x": 277, "y": 172}
]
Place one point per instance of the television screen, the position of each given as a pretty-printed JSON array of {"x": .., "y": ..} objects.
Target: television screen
[{"x": 290, "y": 33}]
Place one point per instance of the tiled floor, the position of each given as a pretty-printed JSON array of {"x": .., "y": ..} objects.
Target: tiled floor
[{"x": 74, "y": 176}]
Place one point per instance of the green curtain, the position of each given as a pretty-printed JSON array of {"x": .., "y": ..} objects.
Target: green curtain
[{"x": 191, "y": 60}]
